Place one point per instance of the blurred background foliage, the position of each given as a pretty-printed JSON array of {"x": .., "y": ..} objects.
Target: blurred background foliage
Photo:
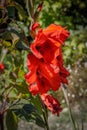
[{"x": 15, "y": 20}]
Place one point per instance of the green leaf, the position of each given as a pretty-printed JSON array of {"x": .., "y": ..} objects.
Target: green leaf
[
  {"x": 20, "y": 73},
  {"x": 11, "y": 11},
  {"x": 7, "y": 35},
  {"x": 15, "y": 38},
  {"x": 30, "y": 7},
  {"x": 21, "y": 86},
  {"x": 21, "y": 45},
  {"x": 37, "y": 103},
  {"x": 21, "y": 11},
  {"x": 81, "y": 46},
  {"x": 11, "y": 121},
  {"x": 19, "y": 81},
  {"x": 29, "y": 113},
  {"x": 6, "y": 43},
  {"x": 13, "y": 93}
]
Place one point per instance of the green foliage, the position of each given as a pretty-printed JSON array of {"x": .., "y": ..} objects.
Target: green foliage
[
  {"x": 75, "y": 49},
  {"x": 29, "y": 113},
  {"x": 15, "y": 20},
  {"x": 64, "y": 12},
  {"x": 11, "y": 120}
]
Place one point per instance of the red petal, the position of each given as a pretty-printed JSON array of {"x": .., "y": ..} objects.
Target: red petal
[
  {"x": 30, "y": 77},
  {"x": 56, "y": 32},
  {"x": 53, "y": 78},
  {"x": 33, "y": 89}
]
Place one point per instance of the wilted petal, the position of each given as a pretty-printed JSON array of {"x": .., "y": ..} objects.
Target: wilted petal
[{"x": 51, "y": 103}]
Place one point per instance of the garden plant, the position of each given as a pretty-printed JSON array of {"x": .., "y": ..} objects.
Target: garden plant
[{"x": 42, "y": 43}]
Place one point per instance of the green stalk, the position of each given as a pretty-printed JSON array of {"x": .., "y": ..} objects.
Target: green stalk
[
  {"x": 45, "y": 114},
  {"x": 64, "y": 89}
]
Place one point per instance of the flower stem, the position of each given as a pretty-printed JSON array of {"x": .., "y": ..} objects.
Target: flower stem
[
  {"x": 45, "y": 114},
  {"x": 64, "y": 89}
]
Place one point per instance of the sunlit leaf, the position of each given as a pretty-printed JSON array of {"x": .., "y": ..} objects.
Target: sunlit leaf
[
  {"x": 15, "y": 38},
  {"x": 81, "y": 47},
  {"x": 6, "y": 43},
  {"x": 13, "y": 93}
]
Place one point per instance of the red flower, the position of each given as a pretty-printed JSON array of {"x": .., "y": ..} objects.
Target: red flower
[
  {"x": 51, "y": 103},
  {"x": 45, "y": 64},
  {"x": 63, "y": 73},
  {"x": 1, "y": 67},
  {"x": 48, "y": 41},
  {"x": 42, "y": 75},
  {"x": 56, "y": 32},
  {"x": 40, "y": 86},
  {"x": 43, "y": 47},
  {"x": 58, "y": 60},
  {"x": 58, "y": 63}
]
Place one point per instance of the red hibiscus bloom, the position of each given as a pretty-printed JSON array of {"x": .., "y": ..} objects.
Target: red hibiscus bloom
[
  {"x": 51, "y": 103},
  {"x": 1, "y": 67},
  {"x": 42, "y": 75}
]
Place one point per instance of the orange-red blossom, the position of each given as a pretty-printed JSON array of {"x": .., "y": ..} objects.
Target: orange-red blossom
[{"x": 45, "y": 64}]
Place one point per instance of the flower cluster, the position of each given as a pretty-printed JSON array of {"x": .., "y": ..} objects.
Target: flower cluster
[
  {"x": 2, "y": 67},
  {"x": 45, "y": 64}
]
